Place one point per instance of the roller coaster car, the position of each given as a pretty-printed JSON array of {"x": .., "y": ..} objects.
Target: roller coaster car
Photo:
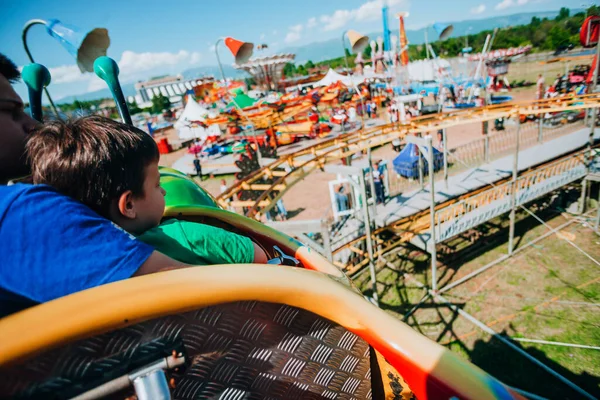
[{"x": 228, "y": 332}]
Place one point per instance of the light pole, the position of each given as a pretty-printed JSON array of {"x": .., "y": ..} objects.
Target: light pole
[
  {"x": 241, "y": 51},
  {"x": 85, "y": 47},
  {"x": 358, "y": 43}
]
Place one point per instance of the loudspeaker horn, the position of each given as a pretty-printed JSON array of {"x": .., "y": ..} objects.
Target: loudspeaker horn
[
  {"x": 443, "y": 30},
  {"x": 242, "y": 51},
  {"x": 358, "y": 42},
  {"x": 84, "y": 46}
]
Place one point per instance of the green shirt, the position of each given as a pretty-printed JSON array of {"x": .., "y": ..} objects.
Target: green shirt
[{"x": 199, "y": 244}]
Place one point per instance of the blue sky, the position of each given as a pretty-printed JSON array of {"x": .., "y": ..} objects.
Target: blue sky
[{"x": 159, "y": 37}]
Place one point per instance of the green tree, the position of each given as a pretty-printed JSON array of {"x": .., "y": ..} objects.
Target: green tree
[
  {"x": 134, "y": 108},
  {"x": 593, "y": 10},
  {"x": 301, "y": 70},
  {"x": 557, "y": 37},
  {"x": 562, "y": 14},
  {"x": 289, "y": 70},
  {"x": 309, "y": 64},
  {"x": 160, "y": 103}
]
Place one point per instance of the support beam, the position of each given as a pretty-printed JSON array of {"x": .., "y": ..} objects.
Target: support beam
[
  {"x": 513, "y": 191},
  {"x": 365, "y": 207},
  {"x": 432, "y": 214},
  {"x": 546, "y": 342},
  {"x": 445, "y": 149}
]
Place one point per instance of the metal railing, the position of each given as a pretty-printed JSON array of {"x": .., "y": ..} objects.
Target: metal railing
[{"x": 484, "y": 150}]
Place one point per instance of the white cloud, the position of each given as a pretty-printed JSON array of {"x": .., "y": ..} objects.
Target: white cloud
[
  {"x": 510, "y": 3},
  {"x": 132, "y": 66},
  {"x": 312, "y": 22},
  {"x": 262, "y": 36},
  {"x": 292, "y": 37},
  {"x": 66, "y": 74},
  {"x": 369, "y": 11},
  {"x": 293, "y": 34},
  {"x": 478, "y": 10}
]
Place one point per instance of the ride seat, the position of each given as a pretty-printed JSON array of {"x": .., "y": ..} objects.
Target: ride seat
[{"x": 242, "y": 350}]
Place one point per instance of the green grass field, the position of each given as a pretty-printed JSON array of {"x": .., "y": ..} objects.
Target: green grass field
[{"x": 549, "y": 291}]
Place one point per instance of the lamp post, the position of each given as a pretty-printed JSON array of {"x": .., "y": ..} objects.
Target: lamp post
[
  {"x": 358, "y": 43},
  {"x": 85, "y": 47},
  {"x": 241, "y": 51}
]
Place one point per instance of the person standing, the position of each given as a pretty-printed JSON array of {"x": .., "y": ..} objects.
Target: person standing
[
  {"x": 368, "y": 106},
  {"x": 341, "y": 199},
  {"x": 197, "y": 166},
  {"x": 539, "y": 88},
  {"x": 378, "y": 181},
  {"x": 374, "y": 109},
  {"x": 281, "y": 210}
]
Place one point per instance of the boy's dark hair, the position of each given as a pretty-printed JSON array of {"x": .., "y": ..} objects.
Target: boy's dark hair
[
  {"x": 91, "y": 159},
  {"x": 8, "y": 69}
]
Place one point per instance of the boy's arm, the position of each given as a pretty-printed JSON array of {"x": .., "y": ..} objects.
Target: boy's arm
[
  {"x": 219, "y": 246},
  {"x": 158, "y": 262},
  {"x": 260, "y": 257}
]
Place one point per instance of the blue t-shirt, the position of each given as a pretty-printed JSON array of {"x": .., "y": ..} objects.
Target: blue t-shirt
[{"x": 52, "y": 246}]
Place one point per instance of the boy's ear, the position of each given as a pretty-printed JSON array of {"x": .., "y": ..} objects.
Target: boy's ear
[{"x": 126, "y": 205}]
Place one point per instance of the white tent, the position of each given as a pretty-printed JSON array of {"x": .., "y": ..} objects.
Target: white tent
[
  {"x": 186, "y": 127},
  {"x": 332, "y": 77}
]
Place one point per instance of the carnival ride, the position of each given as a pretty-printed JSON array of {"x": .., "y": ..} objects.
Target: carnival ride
[
  {"x": 254, "y": 330},
  {"x": 231, "y": 330}
]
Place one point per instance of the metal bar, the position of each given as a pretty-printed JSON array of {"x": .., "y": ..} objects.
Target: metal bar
[
  {"x": 579, "y": 346},
  {"x": 416, "y": 307},
  {"x": 597, "y": 226},
  {"x": 445, "y": 149},
  {"x": 315, "y": 245},
  {"x": 26, "y": 28},
  {"x": 420, "y": 166},
  {"x": 372, "y": 183},
  {"x": 541, "y": 129},
  {"x": 513, "y": 193},
  {"x": 124, "y": 381},
  {"x": 363, "y": 194},
  {"x": 326, "y": 241},
  {"x": 432, "y": 216},
  {"x": 511, "y": 345},
  {"x": 486, "y": 148},
  {"x": 582, "y": 198},
  {"x": 528, "y": 394},
  {"x": 503, "y": 258}
]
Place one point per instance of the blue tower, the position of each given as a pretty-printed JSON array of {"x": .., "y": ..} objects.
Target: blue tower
[{"x": 386, "y": 30}]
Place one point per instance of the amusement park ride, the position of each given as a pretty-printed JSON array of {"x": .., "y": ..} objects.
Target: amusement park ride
[{"x": 294, "y": 330}]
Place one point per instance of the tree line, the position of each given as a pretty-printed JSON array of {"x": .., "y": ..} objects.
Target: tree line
[{"x": 542, "y": 33}]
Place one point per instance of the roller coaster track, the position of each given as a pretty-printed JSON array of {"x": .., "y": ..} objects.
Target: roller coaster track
[
  {"x": 456, "y": 215},
  {"x": 274, "y": 180}
]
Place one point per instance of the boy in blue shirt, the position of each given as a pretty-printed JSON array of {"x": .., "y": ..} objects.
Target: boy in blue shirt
[{"x": 113, "y": 169}]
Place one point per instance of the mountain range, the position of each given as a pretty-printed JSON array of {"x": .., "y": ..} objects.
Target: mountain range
[{"x": 320, "y": 51}]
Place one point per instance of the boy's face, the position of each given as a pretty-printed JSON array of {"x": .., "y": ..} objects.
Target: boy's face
[{"x": 151, "y": 205}]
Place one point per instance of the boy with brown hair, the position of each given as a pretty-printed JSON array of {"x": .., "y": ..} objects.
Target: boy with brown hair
[{"x": 113, "y": 169}]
